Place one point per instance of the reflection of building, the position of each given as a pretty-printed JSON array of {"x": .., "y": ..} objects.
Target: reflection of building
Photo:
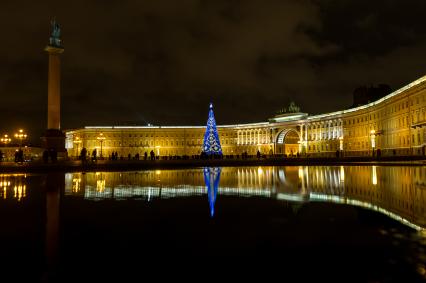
[
  {"x": 167, "y": 183},
  {"x": 392, "y": 125},
  {"x": 13, "y": 186},
  {"x": 395, "y": 191}
]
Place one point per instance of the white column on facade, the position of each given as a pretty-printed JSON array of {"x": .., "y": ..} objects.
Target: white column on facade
[
  {"x": 327, "y": 133},
  {"x": 315, "y": 131},
  {"x": 328, "y": 129},
  {"x": 306, "y": 138},
  {"x": 335, "y": 129}
]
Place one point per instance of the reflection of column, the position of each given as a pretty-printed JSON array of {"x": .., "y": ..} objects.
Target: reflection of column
[{"x": 55, "y": 183}]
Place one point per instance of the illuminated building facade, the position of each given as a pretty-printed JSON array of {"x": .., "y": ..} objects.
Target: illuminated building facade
[{"x": 392, "y": 125}]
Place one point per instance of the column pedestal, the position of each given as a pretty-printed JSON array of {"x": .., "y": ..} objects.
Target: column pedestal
[{"x": 54, "y": 139}]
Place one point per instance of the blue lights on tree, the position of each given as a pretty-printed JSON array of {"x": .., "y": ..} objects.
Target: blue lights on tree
[
  {"x": 211, "y": 143},
  {"x": 212, "y": 178}
]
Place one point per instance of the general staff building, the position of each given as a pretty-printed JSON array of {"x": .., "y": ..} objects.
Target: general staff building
[{"x": 392, "y": 125}]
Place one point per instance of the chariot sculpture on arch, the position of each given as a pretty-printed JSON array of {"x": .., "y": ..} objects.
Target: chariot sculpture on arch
[{"x": 55, "y": 35}]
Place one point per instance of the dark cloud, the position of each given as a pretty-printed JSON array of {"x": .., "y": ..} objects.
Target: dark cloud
[{"x": 163, "y": 61}]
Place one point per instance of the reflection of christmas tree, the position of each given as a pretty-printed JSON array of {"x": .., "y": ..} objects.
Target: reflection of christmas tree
[
  {"x": 212, "y": 178},
  {"x": 211, "y": 144}
]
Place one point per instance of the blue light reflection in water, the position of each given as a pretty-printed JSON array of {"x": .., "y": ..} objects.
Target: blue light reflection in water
[{"x": 212, "y": 179}]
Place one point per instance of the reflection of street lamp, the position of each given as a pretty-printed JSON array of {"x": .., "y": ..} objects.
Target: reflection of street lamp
[
  {"x": 21, "y": 135},
  {"x": 77, "y": 141},
  {"x": 101, "y": 139},
  {"x": 5, "y": 139}
]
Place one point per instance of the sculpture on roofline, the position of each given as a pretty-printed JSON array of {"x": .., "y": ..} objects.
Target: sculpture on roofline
[
  {"x": 292, "y": 108},
  {"x": 55, "y": 35}
]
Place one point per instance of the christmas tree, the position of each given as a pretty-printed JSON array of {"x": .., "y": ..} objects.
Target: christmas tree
[
  {"x": 211, "y": 144},
  {"x": 212, "y": 178}
]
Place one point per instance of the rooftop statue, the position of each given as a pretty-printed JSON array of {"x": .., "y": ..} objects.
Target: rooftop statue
[
  {"x": 292, "y": 108},
  {"x": 55, "y": 39}
]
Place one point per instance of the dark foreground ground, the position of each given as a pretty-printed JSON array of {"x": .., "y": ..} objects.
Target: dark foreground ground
[
  {"x": 120, "y": 165},
  {"x": 177, "y": 240}
]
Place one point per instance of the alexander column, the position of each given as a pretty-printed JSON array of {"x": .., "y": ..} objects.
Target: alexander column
[{"x": 54, "y": 138}]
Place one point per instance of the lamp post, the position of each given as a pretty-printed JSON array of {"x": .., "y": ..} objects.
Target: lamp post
[
  {"x": 20, "y": 135},
  {"x": 5, "y": 139},
  {"x": 373, "y": 139},
  {"x": 77, "y": 141},
  {"x": 101, "y": 139},
  {"x": 341, "y": 145}
]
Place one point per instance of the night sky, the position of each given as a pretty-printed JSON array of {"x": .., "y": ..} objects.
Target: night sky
[{"x": 162, "y": 62}]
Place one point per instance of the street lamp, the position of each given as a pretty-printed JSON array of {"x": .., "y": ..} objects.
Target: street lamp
[
  {"x": 5, "y": 139},
  {"x": 341, "y": 143},
  {"x": 77, "y": 141},
  {"x": 373, "y": 139},
  {"x": 101, "y": 139},
  {"x": 21, "y": 135},
  {"x": 340, "y": 152}
]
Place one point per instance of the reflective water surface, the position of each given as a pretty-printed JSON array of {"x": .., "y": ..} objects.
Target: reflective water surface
[{"x": 365, "y": 223}]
